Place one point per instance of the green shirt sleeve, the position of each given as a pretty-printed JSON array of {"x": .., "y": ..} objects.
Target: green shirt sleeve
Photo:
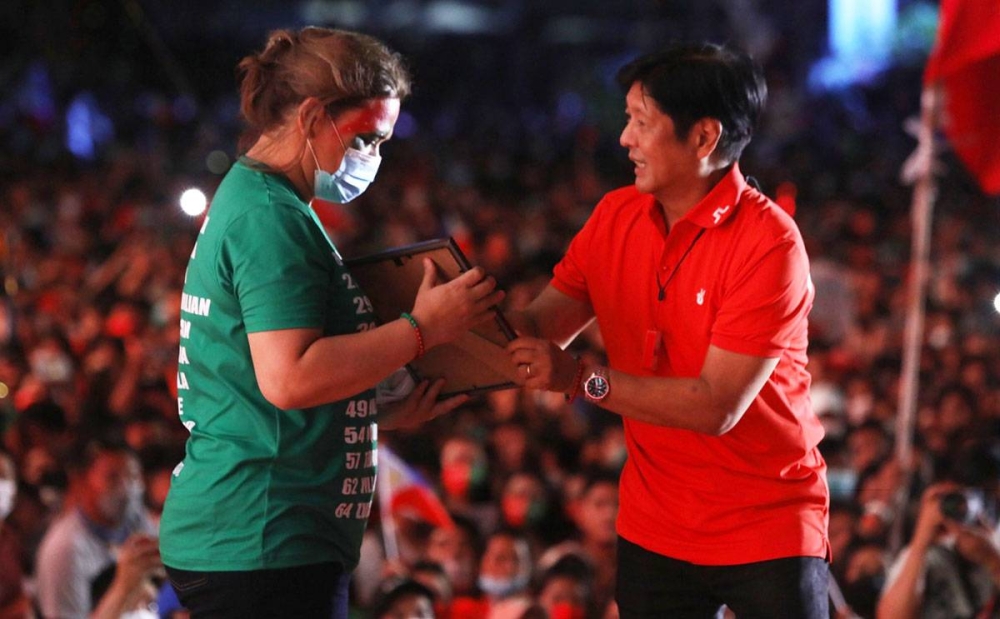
[{"x": 276, "y": 262}]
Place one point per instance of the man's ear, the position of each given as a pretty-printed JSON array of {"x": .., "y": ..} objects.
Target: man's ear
[
  {"x": 309, "y": 112},
  {"x": 705, "y": 134}
]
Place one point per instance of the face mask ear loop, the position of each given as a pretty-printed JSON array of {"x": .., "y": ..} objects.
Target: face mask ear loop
[
  {"x": 312, "y": 152},
  {"x": 337, "y": 131}
]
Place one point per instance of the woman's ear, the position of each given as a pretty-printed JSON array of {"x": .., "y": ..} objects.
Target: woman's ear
[{"x": 309, "y": 112}]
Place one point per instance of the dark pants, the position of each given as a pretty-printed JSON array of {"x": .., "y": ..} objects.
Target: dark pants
[
  {"x": 654, "y": 586},
  {"x": 310, "y": 591}
]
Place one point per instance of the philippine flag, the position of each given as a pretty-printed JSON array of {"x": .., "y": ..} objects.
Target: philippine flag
[{"x": 404, "y": 493}]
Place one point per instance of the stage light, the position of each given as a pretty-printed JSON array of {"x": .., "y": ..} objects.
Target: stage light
[
  {"x": 193, "y": 202},
  {"x": 996, "y": 303}
]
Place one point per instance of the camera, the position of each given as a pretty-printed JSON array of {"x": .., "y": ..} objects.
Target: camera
[{"x": 966, "y": 506}]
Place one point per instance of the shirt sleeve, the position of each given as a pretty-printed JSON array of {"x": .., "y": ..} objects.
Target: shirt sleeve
[
  {"x": 570, "y": 275},
  {"x": 766, "y": 302},
  {"x": 277, "y": 264}
]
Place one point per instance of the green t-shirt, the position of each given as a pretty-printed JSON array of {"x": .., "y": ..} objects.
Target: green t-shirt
[{"x": 261, "y": 487}]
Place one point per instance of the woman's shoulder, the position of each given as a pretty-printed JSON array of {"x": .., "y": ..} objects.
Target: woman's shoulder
[{"x": 246, "y": 191}]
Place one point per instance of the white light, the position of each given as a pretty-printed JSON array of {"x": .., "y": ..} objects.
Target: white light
[
  {"x": 193, "y": 202},
  {"x": 996, "y": 302}
]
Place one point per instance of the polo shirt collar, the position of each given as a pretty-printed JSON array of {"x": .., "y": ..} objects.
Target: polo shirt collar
[{"x": 721, "y": 202}]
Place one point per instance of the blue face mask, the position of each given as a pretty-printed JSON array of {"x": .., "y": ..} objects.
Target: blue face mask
[
  {"x": 357, "y": 170},
  {"x": 502, "y": 587}
]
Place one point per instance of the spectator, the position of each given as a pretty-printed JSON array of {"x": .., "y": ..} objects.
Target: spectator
[
  {"x": 458, "y": 550},
  {"x": 564, "y": 589},
  {"x": 434, "y": 577},
  {"x": 505, "y": 572},
  {"x": 403, "y": 599},
  {"x": 867, "y": 444},
  {"x": 103, "y": 526},
  {"x": 465, "y": 476},
  {"x": 527, "y": 505},
  {"x": 951, "y": 567},
  {"x": 14, "y": 601}
]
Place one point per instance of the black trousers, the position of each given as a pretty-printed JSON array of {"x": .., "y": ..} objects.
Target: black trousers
[
  {"x": 310, "y": 591},
  {"x": 654, "y": 586}
]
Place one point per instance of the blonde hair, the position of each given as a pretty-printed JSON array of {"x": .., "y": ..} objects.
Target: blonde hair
[{"x": 342, "y": 69}]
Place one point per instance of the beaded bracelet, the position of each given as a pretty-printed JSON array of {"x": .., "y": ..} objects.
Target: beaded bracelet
[
  {"x": 576, "y": 381},
  {"x": 416, "y": 328}
]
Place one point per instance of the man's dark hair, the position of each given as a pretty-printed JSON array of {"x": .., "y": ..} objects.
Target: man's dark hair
[
  {"x": 393, "y": 590},
  {"x": 84, "y": 452},
  {"x": 977, "y": 464},
  {"x": 692, "y": 81},
  {"x": 596, "y": 476}
]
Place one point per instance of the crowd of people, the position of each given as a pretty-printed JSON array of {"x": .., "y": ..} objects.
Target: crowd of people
[{"x": 93, "y": 258}]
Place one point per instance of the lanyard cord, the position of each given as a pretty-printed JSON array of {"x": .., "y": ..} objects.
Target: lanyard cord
[{"x": 663, "y": 287}]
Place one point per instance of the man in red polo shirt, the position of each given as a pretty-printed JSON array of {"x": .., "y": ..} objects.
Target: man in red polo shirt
[{"x": 700, "y": 286}]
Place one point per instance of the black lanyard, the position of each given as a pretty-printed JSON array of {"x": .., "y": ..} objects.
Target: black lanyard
[{"x": 663, "y": 287}]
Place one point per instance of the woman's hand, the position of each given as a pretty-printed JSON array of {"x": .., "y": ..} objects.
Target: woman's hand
[
  {"x": 419, "y": 406},
  {"x": 446, "y": 311}
]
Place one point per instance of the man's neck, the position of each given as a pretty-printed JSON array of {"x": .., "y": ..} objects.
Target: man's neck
[{"x": 678, "y": 202}]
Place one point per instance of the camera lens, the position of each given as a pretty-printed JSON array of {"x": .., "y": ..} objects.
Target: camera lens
[{"x": 955, "y": 506}]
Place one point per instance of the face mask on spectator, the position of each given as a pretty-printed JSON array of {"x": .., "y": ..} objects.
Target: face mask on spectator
[
  {"x": 8, "y": 492},
  {"x": 502, "y": 587},
  {"x": 115, "y": 506},
  {"x": 566, "y": 610},
  {"x": 459, "y": 478},
  {"x": 842, "y": 482},
  {"x": 519, "y": 511}
]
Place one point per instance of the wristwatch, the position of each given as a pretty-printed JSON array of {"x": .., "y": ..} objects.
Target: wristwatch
[{"x": 597, "y": 387}]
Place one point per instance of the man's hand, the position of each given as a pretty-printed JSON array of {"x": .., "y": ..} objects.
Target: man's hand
[
  {"x": 138, "y": 558},
  {"x": 975, "y": 543},
  {"x": 542, "y": 365},
  {"x": 930, "y": 520}
]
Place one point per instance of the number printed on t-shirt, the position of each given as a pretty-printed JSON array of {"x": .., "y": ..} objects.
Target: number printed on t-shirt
[
  {"x": 364, "y": 434},
  {"x": 364, "y": 305},
  {"x": 359, "y": 409}
]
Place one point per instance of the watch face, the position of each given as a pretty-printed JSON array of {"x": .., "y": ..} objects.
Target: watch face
[{"x": 596, "y": 387}]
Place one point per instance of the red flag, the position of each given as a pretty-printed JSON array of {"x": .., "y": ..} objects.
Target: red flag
[
  {"x": 403, "y": 492},
  {"x": 966, "y": 63}
]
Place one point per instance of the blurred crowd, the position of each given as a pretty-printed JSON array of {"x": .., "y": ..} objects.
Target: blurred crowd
[{"x": 92, "y": 257}]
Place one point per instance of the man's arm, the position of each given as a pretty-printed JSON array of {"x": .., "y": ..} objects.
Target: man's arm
[
  {"x": 138, "y": 559},
  {"x": 713, "y": 403},
  {"x": 553, "y": 316},
  {"x": 904, "y": 592}
]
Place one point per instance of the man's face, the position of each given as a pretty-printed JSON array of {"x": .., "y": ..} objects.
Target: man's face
[
  {"x": 109, "y": 481},
  {"x": 505, "y": 557},
  {"x": 663, "y": 163},
  {"x": 597, "y": 512}
]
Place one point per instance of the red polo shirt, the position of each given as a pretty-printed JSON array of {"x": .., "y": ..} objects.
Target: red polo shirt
[{"x": 733, "y": 274}]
